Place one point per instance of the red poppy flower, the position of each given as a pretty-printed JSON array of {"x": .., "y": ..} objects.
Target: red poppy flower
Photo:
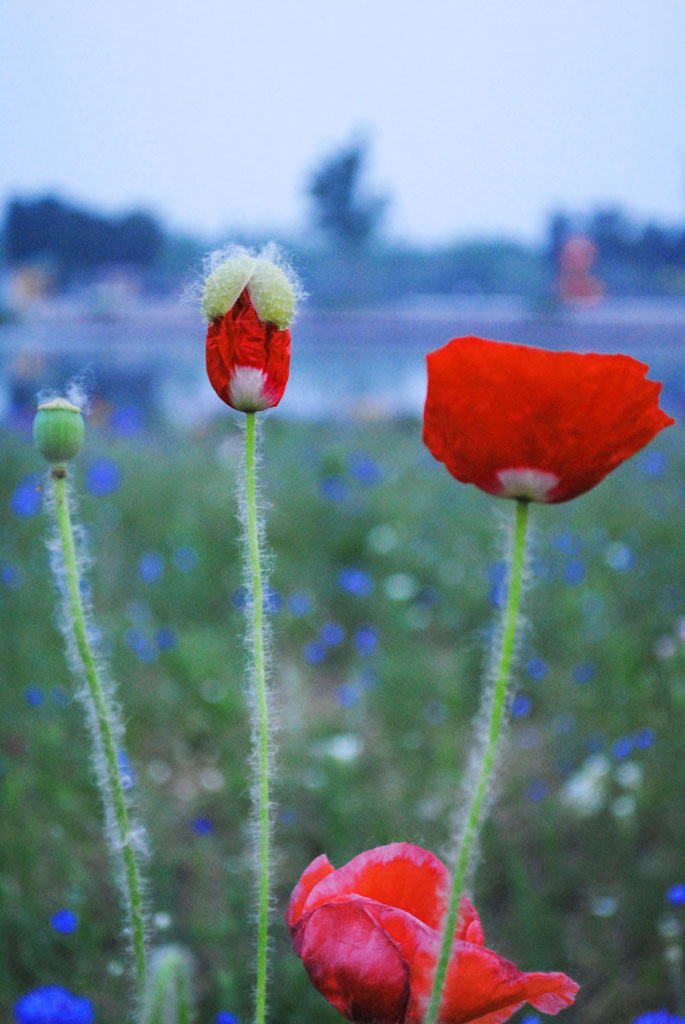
[
  {"x": 248, "y": 359},
  {"x": 522, "y": 422},
  {"x": 369, "y": 936}
]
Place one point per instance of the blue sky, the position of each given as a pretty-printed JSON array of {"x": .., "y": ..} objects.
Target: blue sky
[{"x": 482, "y": 115}]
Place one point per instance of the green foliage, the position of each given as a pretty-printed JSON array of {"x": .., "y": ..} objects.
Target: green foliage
[{"x": 371, "y": 745}]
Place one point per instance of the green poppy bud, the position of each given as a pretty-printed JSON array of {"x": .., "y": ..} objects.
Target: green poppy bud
[{"x": 58, "y": 430}]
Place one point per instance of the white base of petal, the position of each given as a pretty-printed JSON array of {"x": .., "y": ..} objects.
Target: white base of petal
[
  {"x": 526, "y": 484},
  {"x": 249, "y": 390}
]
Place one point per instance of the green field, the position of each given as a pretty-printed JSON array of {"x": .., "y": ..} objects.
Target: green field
[{"x": 401, "y": 566}]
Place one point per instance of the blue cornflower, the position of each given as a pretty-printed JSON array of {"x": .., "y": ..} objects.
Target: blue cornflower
[
  {"x": 364, "y": 469},
  {"x": 34, "y": 696},
  {"x": 574, "y": 572},
  {"x": 127, "y": 421},
  {"x": 52, "y": 1004},
  {"x": 355, "y": 581},
  {"x": 520, "y": 706},
  {"x": 348, "y": 695},
  {"x": 166, "y": 639},
  {"x": 365, "y": 640},
  {"x": 224, "y": 1017},
  {"x": 314, "y": 652},
  {"x": 203, "y": 826},
  {"x": 102, "y": 477},
  {"x": 332, "y": 634},
  {"x": 27, "y": 498},
  {"x": 333, "y": 488},
  {"x": 658, "y": 1017},
  {"x": 299, "y": 604},
  {"x": 151, "y": 566},
  {"x": 64, "y": 921},
  {"x": 676, "y": 895},
  {"x": 536, "y": 668},
  {"x": 584, "y": 673}
]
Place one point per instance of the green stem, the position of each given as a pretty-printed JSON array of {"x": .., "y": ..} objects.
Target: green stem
[
  {"x": 475, "y": 806},
  {"x": 105, "y": 732},
  {"x": 257, "y": 608}
]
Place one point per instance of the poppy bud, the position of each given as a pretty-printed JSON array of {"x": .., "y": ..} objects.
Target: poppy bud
[
  {"x": 58, "y": 430},
  {"x": 250, "y": 302}
]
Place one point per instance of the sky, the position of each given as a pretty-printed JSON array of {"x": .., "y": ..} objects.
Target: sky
[{"x": 481, "y": 116}]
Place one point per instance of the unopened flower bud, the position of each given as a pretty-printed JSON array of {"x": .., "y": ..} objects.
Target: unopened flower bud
[
  {"x": 58, "y": 430},
  {"x": 250, "y": 303}
]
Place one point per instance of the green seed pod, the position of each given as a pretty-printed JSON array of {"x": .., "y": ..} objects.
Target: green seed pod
[{"x": 58, "y": 430}]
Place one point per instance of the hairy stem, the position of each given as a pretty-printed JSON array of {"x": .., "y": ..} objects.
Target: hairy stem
[
  {"x": 480, "y": 789},
  {"x": 257, "y": 639},
  {"x": 103, "y": 717}
]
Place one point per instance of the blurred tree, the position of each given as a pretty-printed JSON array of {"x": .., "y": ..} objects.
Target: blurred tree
[
  {"x": 75, "y": 239},
  {"x": 341, "y": 208}
]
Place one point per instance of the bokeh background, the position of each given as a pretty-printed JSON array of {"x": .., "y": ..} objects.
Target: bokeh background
[{"x": 515, "y": 171}]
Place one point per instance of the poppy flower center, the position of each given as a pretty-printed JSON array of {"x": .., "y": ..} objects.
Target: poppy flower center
[
  {"x": 526, "y": 484},
  {"x": 248, "y": 389}
]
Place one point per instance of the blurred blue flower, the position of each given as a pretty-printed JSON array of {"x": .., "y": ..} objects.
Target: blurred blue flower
[
  {"x": 102, "y": 477},
  {"x": 520, "y": 706},
  {"x": 658, "y": 1017},
  {"x": 151, "y": 566},
  {"x": 584, "y": 673},
  {"x": 141, "y": 644},
  {"x": 333, "y": 488},
  {"x": 314, "y": 652},
  {"x": 531, "y": 1019},
  {"x": 11, "y": 576},
  {"x": 64, "y": 921},
  {"x": 52, "y": 1004},
  {"x": 288, "y": 816},
  {"x": 299, "y": 604},
  {"x": 653, "y": 462},
  {"x": 676, "y": 895},
  {"x": 348, "y": 695},
  {"x": 426, "y": 597},
  {"x": 126, "y": 773},
  {"x": 536, "y": 668},
  {"x": 239, "y": 597},
  {"x": 595, "y": 742},
  {"x": 619, "y": 556},
  {"x": 574, "y": 572},
  {"x": 644, "y": 738},
  {"x": 127, "y": 420},
  {"x": 34, "y": 696},
  {"x": 166, "y": 639},
  {"x": 622, "y": 747},
  {"x": 365, "y": 640},
  {"x": 364, "y": 469},
  {"x": 355, "y": 581},
  {"x": 568, "y": 541},
  {"x": 537, "y": 791},
  {"x": 273, "y": 602},
  {"x": 27, "y": 499},
  {"x": 332, "y": 634},
  {"x": 185, "y": 558},
  {"x": 203, "y": 826},
  {"x": 497, "y": 595},
  {"x": 224, "y": 1017}
]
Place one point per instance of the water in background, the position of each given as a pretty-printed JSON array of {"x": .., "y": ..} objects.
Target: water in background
[{"x": 367, "y": 363}]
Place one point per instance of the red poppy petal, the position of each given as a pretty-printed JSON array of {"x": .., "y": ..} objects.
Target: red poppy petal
[
  {"x": 479, "y": 982},
  {"x": 318, "y": 869},
  {"x": 353, "y": 963},
  {"x": 400, "y": 875},
  {"x": 554, "y": 423},
  {"x": 469, "y": 928}
]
